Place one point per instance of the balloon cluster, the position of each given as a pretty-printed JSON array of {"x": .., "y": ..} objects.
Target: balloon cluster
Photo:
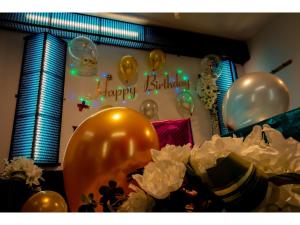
[
  {"x": 83, "y": 54},
  {"x": 128, "y": 66},
  {"x": 149, "y": 108}
]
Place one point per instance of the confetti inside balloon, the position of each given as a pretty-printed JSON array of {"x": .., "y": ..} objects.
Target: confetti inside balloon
[
  {"x": 83, "y": 53},
  {"x": 149, "y": 108},
  {"x": 185, "y": 104}
]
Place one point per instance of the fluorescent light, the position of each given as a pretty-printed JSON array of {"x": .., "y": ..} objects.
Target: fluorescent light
[
  {"x": 62, "y": 22},
  {"x": 103, "y": 29},
  {"x": 119, "y": 31}
]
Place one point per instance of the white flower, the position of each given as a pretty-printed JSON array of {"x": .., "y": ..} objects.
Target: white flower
[
  {"x": 21, "y": 167},
  {"x": 172, "y": 152},
  {"x": 278, "y": 156},
  {"x": 138, "y": 201},
  {"x": 160, "y": 178},
  {"x": 207, "y": 91},
  {"x": 206, "y": 156}
]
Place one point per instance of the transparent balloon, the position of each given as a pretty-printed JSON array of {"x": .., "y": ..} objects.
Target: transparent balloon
[
  {"x": 83, "y": 54},
  {"x": 149, "y": 108},
  {"x": 211, "y": 65},
  {"x": 185, "y": 104},
  {"x": 253, "y": 98}
]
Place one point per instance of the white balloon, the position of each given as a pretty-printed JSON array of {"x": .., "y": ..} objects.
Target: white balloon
[{"x": 254, "y": 97}]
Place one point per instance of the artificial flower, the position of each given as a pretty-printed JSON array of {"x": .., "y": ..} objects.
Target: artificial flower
[
  {"x": 172, "y": 152},
  {"x": 207, "y": 90},
  {"x": 205, "y": 157},
  {"x": 277, "y": 155},
  {"x": 162, "y": 177},
  {"x": 23, "y": 168},
  {"x": 138, "y": 201}
]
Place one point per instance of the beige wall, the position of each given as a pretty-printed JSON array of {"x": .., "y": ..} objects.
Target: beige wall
[
  {"x": 166, "y": 99},
  {"x": 276, "y": 43},
  {"x": 11, "y": 52}
]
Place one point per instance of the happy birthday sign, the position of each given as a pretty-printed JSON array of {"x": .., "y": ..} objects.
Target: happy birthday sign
[{"x": 152, "y": 83}]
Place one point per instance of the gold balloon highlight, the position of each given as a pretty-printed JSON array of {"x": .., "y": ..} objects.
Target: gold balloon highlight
[
  {"x": 45, "y": 201},
  {"x": 128, "y": 70},
  {"x": 106, "y": 146},
  {"x": 105, "y": 107},
  {"x": 157, "y": 59}
]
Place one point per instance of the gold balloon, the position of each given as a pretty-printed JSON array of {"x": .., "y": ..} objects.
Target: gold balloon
[
  {"x": 45, "y": 201},
  {"x": 106, "y": 146},
  {"x": 128, "y": 70},
  {"x": 157, "y": 59},
  {"x": 105, "y": 107}
]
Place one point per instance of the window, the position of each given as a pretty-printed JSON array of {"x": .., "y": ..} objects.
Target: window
[
  {"x": 37, "y": 123},
  {"x": 224, "y": 82}
]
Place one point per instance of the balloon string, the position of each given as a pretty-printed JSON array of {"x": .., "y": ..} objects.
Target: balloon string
[
  {"x": 282, "y": 66},
  {"x": 98, "y": 92}
]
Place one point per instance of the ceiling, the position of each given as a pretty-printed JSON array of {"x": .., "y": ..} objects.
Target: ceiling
[{"x": 238, "y": 26}]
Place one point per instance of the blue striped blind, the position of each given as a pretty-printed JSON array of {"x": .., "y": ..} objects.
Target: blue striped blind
[
  {"x": 36, "y": 132},
  {"x": 71, "y": 25},
  {"x": 224, "y": 82}
]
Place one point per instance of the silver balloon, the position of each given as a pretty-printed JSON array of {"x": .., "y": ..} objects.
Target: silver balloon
[
  {"x": 149, "y": 108},
  {"x": 83, "y": 54},
  {"x": 254, "y": 97},
  {"x": 185, "y": 104}
]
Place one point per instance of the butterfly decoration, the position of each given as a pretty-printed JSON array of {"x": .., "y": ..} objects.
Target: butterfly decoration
[{"x": 82, "y": 106}]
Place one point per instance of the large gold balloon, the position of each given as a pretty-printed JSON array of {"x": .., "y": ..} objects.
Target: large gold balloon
[
  {"x": 45, "y": 201},
  {"x": 105, "y": 107},
  {"x": 106, "y": 146},
  {"x": 157, "y": 59},
  {"x": 128, "y": 70}
]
